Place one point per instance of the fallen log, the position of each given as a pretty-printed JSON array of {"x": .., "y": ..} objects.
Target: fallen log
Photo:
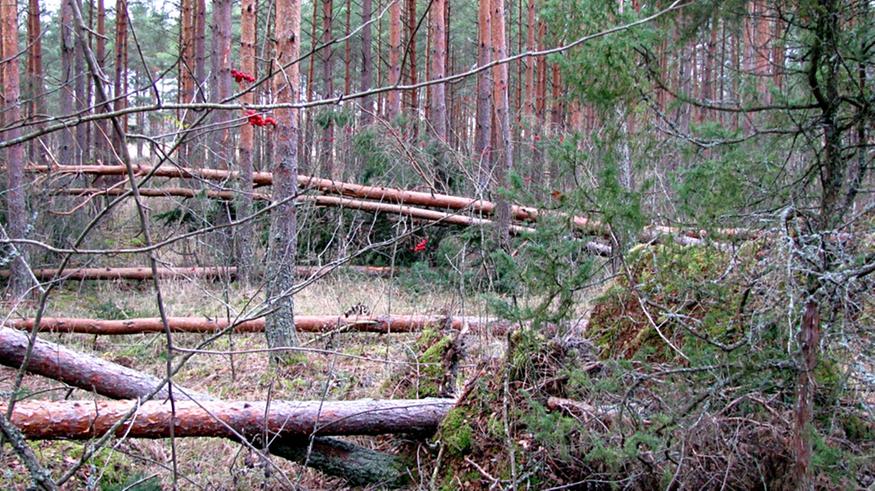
[
  {"x": 144, "y": 273},
  {"x": 329, "y": 201},
  {"x": 303, "y": 323},
  {"x": 358, "y": 465},
  {"x": 83, "y": 420},
  {"x": 377, "y": 193}
]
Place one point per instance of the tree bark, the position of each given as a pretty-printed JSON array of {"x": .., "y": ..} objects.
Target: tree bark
[
  {"x": 35, "y": 81},
  {"x": 245, "y": 243},
  {"x": 504, "y": 148},
  {"x": 84, "y": 420},
  {"x": 483, "y": 128},
  {"x": 220, "y": 82},
  {"x": 393, "y": 102},
  {"x": 303, "y": 323},
  {"x": 366, "y": 65},
  {"x": 67, "y": 92},
  {"x": 120, "y": 87},
  {"x": 16, "y": 201},
  {"x": 282, "y": 242},
  {"x": 326, "y": 55}
]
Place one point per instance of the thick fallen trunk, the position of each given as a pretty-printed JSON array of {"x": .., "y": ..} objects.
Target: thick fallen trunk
[
  {"x": 358, "y": 465},
  {"x": 178, "y": 272},
  {"x": 83, "y": 420},
  {"x": 303, "y": 323}
]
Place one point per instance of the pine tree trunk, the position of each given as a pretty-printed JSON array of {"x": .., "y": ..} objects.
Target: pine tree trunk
[
  {"x": 483, "y": 119},
  {"x": 35, "y": 83},
  {"x": 326, "y": 159},
  {"x": 16, "y": 206},
  {"x": 367, "y": 65},
  {"x": 393, "y": 102},
  {"x": 245, "y": 243},
  {"x": 413, "y": 95},
  {"x": 101, "y": 130},
  {"x": 120, "y": 87},
  {"x": 438, "y": 95},
  {"x": 280, "y": 324},
  {"x": 186, "y": 71},
  {"x": 504, "y": 148},
  {"x": 66, "y": 94},
  {"x": 220, "y": 82}
]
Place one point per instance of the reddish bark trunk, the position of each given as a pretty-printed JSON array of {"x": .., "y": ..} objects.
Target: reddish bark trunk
[
  {"x": 245, "y": 242},
  {"x": 393, "y": 102},
  {"x": 367, "y": 64},
  {"x": 483, "y": 128},
  {"x": 16, "y": 206},
  {"x": 83, "y": 420},
  {"x": 280, "y": 327},
  {"x": 326, "y": 56},
  {"x": 504, "y": 148}
]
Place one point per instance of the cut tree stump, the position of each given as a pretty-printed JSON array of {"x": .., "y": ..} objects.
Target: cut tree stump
[{"x": 303, "y": 323}]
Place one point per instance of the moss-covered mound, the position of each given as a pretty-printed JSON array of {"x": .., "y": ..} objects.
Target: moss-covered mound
[
  {"x": 432, "y": 367},
  {"x": 672, "y": 297}
]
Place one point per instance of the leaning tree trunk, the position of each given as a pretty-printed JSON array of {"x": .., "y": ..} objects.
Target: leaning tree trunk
[
  {"x": 16, "y": 207},
  {"x": 280, "y": 326},
  {"x": 358, "y": 465}
]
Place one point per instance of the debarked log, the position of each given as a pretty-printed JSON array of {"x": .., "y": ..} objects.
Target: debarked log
[
  {"x": 82, "y": 420},
  {"x": 303, "y": 323}
]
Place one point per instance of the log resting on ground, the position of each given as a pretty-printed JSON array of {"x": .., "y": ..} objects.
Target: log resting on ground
[
  {"x": 83, "y": 420},
  {"x": 145, "y": 273},
  {"x": 303, "y": 323},
  {"x": 358, "y": 465}
]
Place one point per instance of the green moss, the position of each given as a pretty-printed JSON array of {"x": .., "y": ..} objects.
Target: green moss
[{"x": 456, "y": 432}]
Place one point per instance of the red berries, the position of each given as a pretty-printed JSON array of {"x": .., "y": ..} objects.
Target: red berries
[
  {"x": 420, "y": 246},
  {"x": 242, "y": 76},
  {"x": 256, "y": 119}
]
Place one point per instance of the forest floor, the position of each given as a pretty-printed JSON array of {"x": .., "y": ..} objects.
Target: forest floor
[{"x": 359, "y": 369}]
